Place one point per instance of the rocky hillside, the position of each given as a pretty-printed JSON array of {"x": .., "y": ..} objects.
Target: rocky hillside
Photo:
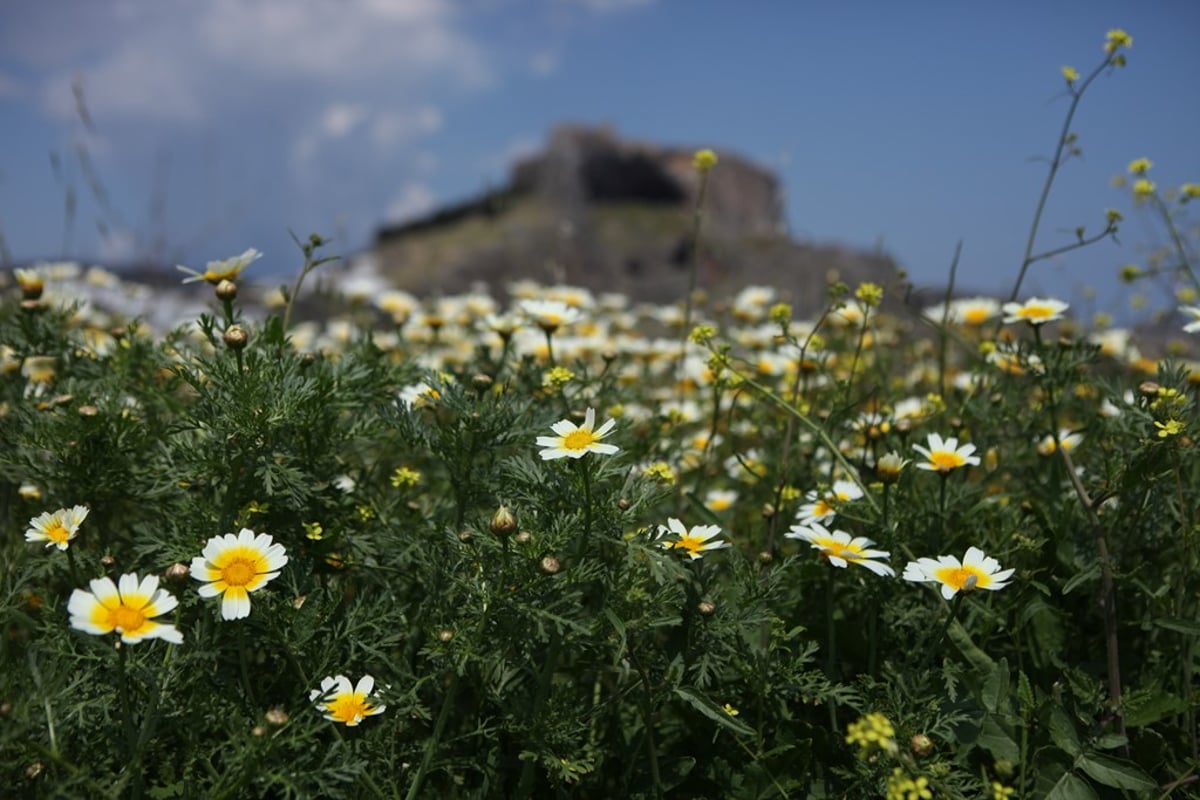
[{"x": 615, "y": 215}]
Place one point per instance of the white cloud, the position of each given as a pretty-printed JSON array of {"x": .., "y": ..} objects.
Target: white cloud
[
  {"x": 414, "y": 200},
  {"x": 195, "y": 60},
  {"x": 395, "y": 128},
  {"x": 340, "y": 119},
  {"x": 613, "y": 6},
  {"x": 10, "y": 86},
  {"x": 543, "y": 64}
]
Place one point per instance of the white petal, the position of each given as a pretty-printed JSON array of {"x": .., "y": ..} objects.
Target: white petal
[
  {"x": 82, "y": 604},
  {"x": 148, "y": 585},
  {"x": 104, "y": 590},
  {"x": 162, "y": 602},
  {"x": 235, "y": 605},
  {"x": 878, "y": 568},
  {"x": 128, "y": 584},
  {"x": 365, "y": 684}
]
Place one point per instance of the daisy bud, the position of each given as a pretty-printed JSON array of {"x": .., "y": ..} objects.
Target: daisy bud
[
  {"x": 551, "y": 565},
  {"x": 226, "y": 291},
  {"x": 177, "y": 572},
  {"x": 503, "y": 522},
  {"x": 464, "y": 535},
  {"x": 5, "y": 710},
  {"x": 706, "y": 607},
  {"x": 32, "y": 306},
  {"x": 1149, "y": 389},
  {"x": 258, "y": 731},
  {"x": 88, "y": 411},
  {"x": 445, "y": 635},
  {"x": 276, "y": 716},
  {"x": 765, "y": 558},
  {"x": 524, "y": 537},
  {"x": 236, "y": 337},
  {"x": 34, "y": 770},
  {"x": 107, "y": 560},
  {"x": 623, "y": 504},
  {"x": 920, "y": 745},
  {"x": 481, "y": 382},
  {"x": 31, "y": 283}
]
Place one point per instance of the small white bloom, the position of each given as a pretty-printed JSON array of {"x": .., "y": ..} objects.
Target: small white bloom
[{"x": 975, "y": 571}]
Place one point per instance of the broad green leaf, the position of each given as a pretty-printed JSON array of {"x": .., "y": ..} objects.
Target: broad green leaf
[
  {"x": 714, "y": 712},
  {"x": 995, "y": 687},
  {"x": 675, "y": 771},
  {"x": 1080, "y": 578},
  {"x": 980, "y": 660},
  {"x": 1062, "y": 732},
  {"x": 1115, "y": 772},
  {"x": 1070, "y": 787},
  {"x": 997, "y": 741}
]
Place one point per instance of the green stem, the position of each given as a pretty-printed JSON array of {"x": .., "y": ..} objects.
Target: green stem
[
  {"x": 127, "y": 722},
  {"x": 693, "y": 264},
  {"x": 431, "y": 746},
  {"x": 816, "y": 430},
  {"x": 244, "y": 664},
  {"x": 1060, "y": 153},
  {"x": 955, "y": 607},
  {"x": 525, "y": 787},
  {"x": 647, "y": 708},
  {"x": 1176, "y": 238},
  {"x": 943, "y": 338},
  {"x": 830, "y": 649}
]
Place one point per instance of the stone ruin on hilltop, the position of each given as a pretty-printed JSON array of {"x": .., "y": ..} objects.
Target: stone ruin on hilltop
[{"x": 600, "y": 211}]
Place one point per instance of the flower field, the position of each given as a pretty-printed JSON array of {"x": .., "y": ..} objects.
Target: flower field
[{"x": 566, "y": 544}]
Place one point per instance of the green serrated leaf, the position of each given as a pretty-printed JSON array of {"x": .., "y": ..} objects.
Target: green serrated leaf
[
  {"x": 1115, "y": 772},
  {"x": 1025, "y": 694},
  {"x": 711, "y": 710},
  {"x": 1154, "y": 709},
  {"x": 1070, "y": 787}
]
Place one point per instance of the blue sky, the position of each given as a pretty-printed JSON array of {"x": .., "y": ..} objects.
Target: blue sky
[{"x": 219, "y": 125}]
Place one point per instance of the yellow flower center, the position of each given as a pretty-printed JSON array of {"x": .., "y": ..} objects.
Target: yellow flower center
[
  {"x": 957, "y": 577},
  {"x": 58, "y": 534},
  {"x": 691, "y": 544},
  {"x": 1037, "y": 311},
  {"x": 719, "y": 504},
  {"x": 831, "y": 547},
  {"x": 578, "y": 440},
  {"x": 238, "y": 572},
  {"x": 349, "y": 708},
  {"x": 945, "y": 460},
  {"x": 975, "y": 316},
  {"x": 126, "y": 619},
  {"x": 822, "y": 508},
  {"x": 218, "y": 275}
]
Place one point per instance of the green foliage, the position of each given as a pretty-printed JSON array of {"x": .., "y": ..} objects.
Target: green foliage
[{"x": 532, "y": 625}]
